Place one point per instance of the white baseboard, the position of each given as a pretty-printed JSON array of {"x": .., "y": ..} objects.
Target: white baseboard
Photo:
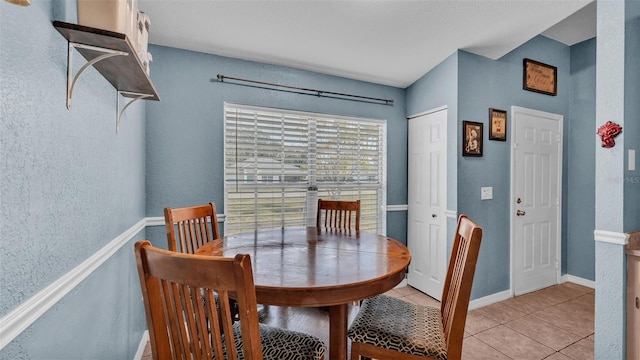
[
  {"x": 504, "y": 295},
  {"x": 490, "y": 299},
  {"x": 142, "y": 346},
  {"x": 578, "y": 280},
  {"x": 403, "y": 283}
]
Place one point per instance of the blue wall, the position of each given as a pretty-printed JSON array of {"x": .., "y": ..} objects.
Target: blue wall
[
  {"x": 613, "y": 65},
  {"x": 469, "y": 85},
  {"x": 439, "y": 87},
  {"x": 185, "y": 129},
  {"x": 69, "y": 185},
  {"x": 578, "y": 250},
  {"x": 485, "y": 84},
  {"x": 435, "y": 89}
]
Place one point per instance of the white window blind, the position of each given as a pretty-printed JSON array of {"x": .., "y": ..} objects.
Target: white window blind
[{"x": 279, "y": 162}]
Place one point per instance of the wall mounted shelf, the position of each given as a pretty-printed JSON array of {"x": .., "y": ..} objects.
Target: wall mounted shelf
[{"x": 113, "y": 56}]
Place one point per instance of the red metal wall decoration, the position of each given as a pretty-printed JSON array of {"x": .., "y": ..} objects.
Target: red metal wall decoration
[{"x": 607, "y": 132}]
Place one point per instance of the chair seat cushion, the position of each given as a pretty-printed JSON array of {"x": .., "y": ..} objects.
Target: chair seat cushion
[
  {"x": 394, "y": 324},
  {"x": 282, "y": 344}
]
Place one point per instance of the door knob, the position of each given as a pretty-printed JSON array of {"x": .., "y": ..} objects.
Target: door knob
[{"x": 520, "y": 213}]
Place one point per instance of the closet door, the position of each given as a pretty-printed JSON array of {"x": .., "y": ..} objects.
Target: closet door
[{"x": 427, "y": 225}]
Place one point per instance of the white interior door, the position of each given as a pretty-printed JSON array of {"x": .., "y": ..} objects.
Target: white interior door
[
  {"x": 426, "y": 228},
  {"x": 536, "y": 173}
]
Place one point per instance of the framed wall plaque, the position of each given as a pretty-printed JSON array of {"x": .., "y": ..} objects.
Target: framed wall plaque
[
  {"x": 497, "y": 124},
  {"x": 540, "y": 77},
  {"x": 471, "y": 138}
]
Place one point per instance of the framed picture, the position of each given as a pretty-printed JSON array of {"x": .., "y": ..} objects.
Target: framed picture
[
  {"x": 471, "y": 138},
  {"x": 497, "y": 124},
  {"x": 540, "y": 77}
]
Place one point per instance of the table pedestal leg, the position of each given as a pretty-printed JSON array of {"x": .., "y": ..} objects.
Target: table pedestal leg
[{"x": 338, "y": 332}]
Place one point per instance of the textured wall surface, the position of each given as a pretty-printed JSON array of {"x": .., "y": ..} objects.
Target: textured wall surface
[
  {"x": 610, "y": 301},
  {"x": 610, "y": 310},
  {"x": 469, "y": 85},
  {"x": 579, "y": 248},
  {"x": 632, "y": 116},
  {"x": 610, "y": 107},
  {"x": 439, "y": 87},
  {"x": 485, "y": 84},
  {"x": 185, "y": 130},
  {"x": 69, "y": 185}
]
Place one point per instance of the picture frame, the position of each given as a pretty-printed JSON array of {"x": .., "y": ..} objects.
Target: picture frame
[
  {"x": 539, "y": 77},
  {"x": 472, "y": 139},
  {"x": 497, "y": 124}
]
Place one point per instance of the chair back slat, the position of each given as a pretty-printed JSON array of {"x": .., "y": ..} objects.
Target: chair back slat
[
  {"x": 185, "y": 318},
  {"x": 338, "y": 214},
  {"x": 191, "y": 227},
  {"x": 457, "y": 289}
]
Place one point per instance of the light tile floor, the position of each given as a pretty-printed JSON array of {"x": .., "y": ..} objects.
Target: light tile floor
[{"x": 554, "y": 323}]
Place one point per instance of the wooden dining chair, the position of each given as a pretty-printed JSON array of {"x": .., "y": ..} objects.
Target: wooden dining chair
[
  {"x": 185, "y": 322},
  {"x": 188, "y": 228},
  {"x": 389, "y": 328},
  {"x": 338, "y": 214}
]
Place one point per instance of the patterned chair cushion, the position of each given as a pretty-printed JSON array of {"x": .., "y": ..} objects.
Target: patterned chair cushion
[
  {"x": 282, "y": 344},
  {"x": 394, "y": 324}
]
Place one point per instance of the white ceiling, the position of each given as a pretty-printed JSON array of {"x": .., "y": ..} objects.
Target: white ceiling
[{"x": 385, "y": 42}]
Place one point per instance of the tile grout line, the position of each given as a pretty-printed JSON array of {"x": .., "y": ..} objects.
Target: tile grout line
[
  {"x": 581, "y": 337},
  {"x": 498, "y": 323},
  {"x": 507, "y": 356}
]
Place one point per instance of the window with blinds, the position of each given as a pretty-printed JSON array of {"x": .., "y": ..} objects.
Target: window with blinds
[{"x": 279, "y": 162}]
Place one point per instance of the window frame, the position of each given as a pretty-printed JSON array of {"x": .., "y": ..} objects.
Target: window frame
[{"x": 311, "y": 183}]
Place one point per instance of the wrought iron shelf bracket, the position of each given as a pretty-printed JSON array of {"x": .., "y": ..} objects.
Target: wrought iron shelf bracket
[
  {"x": 71, "y": 79},
  {"x": 113, "y": 56},
  {"x": 134, "y": 96}
]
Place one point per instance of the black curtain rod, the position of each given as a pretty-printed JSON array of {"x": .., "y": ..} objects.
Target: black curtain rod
[{"x": 314, "y": 92}]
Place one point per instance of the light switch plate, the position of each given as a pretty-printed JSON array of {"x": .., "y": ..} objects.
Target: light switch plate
[{"x": 486, "y": 193}]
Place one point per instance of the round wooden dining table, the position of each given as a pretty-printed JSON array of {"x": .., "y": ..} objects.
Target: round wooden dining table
[{"x": 313, "y": 267}]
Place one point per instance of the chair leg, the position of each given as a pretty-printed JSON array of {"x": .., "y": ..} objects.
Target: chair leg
[{"x": 355, "y": 352}]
